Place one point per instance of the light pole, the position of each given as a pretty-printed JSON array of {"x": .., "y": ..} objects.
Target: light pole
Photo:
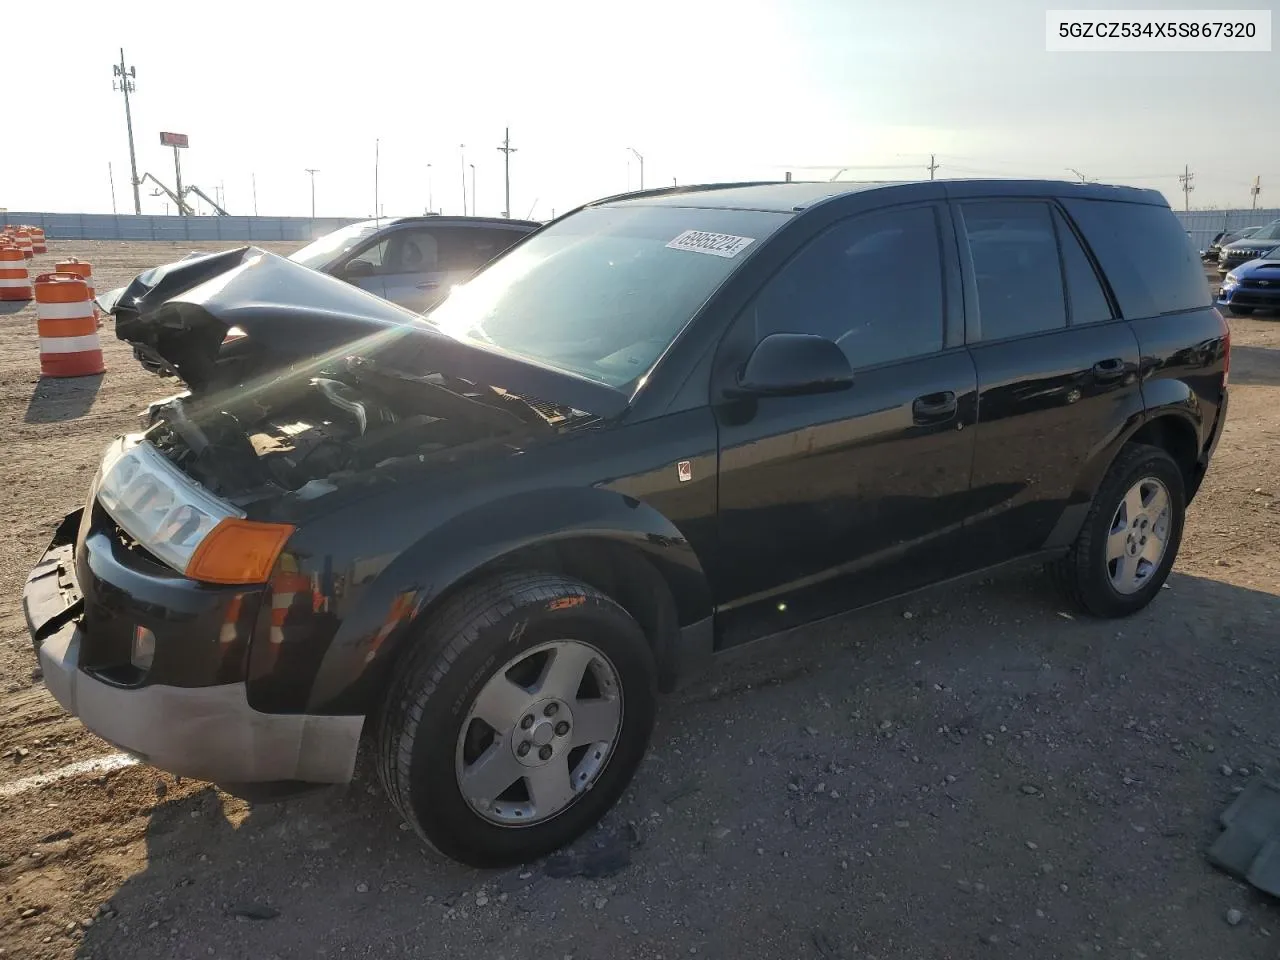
[
  {"x": 473, "y": 188},
  {"x": 124, "y": 83},
  {"x": 641, "y": 159},
  {"x": 430, "y": 203},
  {"x": 462, "y": 155},
  {"x": 313, "y": 191}
]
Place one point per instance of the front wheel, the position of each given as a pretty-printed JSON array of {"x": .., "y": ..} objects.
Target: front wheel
[
  {"x": 1130, "y": 538},
  {"x": 518, "y": 718}
]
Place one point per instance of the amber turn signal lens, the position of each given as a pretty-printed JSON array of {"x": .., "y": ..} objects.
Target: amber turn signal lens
[{"x": 238, "y": 551}]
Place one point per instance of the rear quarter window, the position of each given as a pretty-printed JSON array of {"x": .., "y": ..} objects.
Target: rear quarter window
[{"x": 1147, "y": 256}]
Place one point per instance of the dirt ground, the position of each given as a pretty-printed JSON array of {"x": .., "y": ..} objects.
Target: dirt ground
[{"x": 971, "y": 773}]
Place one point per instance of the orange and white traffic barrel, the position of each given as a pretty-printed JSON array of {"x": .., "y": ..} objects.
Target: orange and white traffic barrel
[
  {"x": 69, "y": 344},
  {"x": 23, "y": 237},
  {"x": 15, "y": 282},
  {"x": 82, "y": 269},
  {"x": 38, "y": 244}
]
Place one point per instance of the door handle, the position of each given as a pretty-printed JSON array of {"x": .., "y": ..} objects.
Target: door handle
[
  {"x": 933, "y": 407},
  {"x": 428, "y": 285},
  {"x": 1112, "y": 369}
]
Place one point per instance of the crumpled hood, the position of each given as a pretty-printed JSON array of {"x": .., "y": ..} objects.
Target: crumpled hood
[{"x": 179, "y": 313}]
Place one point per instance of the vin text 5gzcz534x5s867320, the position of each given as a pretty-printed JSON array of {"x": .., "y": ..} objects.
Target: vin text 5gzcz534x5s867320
[{"x": 665, "y": 424}]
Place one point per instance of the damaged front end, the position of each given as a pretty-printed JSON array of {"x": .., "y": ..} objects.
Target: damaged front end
[
  {"x": 213, "y": 320},
  {"x": 356, "y": 424}
]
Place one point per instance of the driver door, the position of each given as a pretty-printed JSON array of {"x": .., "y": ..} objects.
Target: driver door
[{"x": 839, "y": 499}]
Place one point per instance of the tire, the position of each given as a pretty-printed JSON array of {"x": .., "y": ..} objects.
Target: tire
[
  {"x": 422, "y": 751},
  {"x": 1085, "y": 574},
  {"x": 1240, "y": 311}
]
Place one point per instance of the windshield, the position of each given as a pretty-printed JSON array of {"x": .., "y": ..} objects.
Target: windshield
[
  {"x": 319, "y": 252},
  {"x": 1270, "y": 232},
  {"x": 604, "y": 292}
]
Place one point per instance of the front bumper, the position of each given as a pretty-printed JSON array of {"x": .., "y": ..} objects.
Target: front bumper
[
  {"x": 205, "y": 732},
  {"x": 1263, "y": 298}
]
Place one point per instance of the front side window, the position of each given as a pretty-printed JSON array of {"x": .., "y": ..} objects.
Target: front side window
[
  {"x": 872, "y": 284},
  {"x": 1015, "y": 265},
  {"x": 320, "y": 252},
  {"x": 604, "y": 292}
]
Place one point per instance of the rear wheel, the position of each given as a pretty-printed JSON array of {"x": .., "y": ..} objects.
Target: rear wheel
[
  {"x": 518, "y": 719},
  {"x": 1131, "y": 536},
  {"x": 1240, "y": 311}
]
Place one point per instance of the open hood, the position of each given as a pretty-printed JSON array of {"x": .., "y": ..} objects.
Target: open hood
[{"x": 282, "y": 314}]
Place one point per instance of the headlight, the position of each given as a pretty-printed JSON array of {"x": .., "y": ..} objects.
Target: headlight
[
  {"x": 182, "y": 523},
  {"x": 1230, "y": 280}
]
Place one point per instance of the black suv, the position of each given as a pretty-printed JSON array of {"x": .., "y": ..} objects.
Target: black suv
[{"x": 665, "y": 424}]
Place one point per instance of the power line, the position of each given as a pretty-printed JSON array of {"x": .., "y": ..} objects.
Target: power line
[
  {"x": 1187, "y": 179},
  {"x": 124, "y": 83},
  {"x": 507, "y": 150}
]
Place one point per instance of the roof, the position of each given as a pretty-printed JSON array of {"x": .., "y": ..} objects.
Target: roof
[
  {"x": 441, "y": 218},
  {"x": 794, "y": 196}
]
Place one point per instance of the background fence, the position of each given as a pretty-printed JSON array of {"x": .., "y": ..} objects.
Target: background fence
[
  {"x": 1205, "y": 224},
  {"x": 109, "y": 226},
  {"x": 1202, "y": 224}
]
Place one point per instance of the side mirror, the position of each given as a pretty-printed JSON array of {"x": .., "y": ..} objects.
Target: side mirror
[
  {"x": 793, "y": 364},
  {"x": 357, "y": 270}
]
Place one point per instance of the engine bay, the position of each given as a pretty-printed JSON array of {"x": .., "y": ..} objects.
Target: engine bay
[{"x": 355, "y": 421}]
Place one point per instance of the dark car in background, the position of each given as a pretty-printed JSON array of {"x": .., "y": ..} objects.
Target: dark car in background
[
  {"x": 412, "y": 261},
  {"x": 1242, "y": 251},
  {"x": 665, "y": 425},
  {"x": 1253, "y": 285},
  {"x": 1210, "y": 254}
]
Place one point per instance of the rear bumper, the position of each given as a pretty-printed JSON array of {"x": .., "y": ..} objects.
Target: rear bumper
[{"x": 205, "y": 732}]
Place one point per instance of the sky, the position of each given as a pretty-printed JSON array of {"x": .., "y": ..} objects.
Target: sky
[{"x": 704, "y": 90}]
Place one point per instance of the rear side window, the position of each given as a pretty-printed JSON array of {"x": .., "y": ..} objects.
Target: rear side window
[
  {"x": 1015, "y": 264},
  {"x": 470, "y": 248},
  {"x": 1085, "y": 297},
  {"x": 1147, "y": 256}
]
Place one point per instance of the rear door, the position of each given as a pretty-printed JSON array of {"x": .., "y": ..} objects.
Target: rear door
[
  {"x": 414, "y": 271},
  {"x": 1057, "y": 371},
  {"x": 839, "y": 499}
]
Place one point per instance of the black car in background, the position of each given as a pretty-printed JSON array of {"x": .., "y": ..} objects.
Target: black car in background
[
  {"x": 664, "y": 425},
  {"x": 1262, "y": 241},
  {"x": 1220, "y": 239}
]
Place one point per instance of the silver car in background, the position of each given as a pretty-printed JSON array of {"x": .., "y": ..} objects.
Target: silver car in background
[{"x": 412, "y": 261}]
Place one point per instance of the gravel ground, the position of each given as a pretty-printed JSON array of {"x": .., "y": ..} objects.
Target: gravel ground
[{"x": 970, "y": 773}]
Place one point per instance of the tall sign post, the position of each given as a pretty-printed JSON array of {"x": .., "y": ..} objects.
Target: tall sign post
[{"x": 179, "y": 142}]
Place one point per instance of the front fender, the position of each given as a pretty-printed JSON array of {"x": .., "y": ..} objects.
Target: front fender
[{"x": 406, "y": 592}]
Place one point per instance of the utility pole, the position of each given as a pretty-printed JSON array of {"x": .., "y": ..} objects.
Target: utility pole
[
  {"x": 313, "y": 173},
  {"x": 112, "y": 177},
  {"x": 1083, "y": 178},
  {"x": 430, "y": 203},
  {"x": 1254, "y": 191},
  {"x": 507, "y": 150},
  {"x": 933, "y": 165},
  {"x": 1187, "y": 179},
  {"x": 124, "y": 83},
  {"x": 473, "y": 188},
  {"x": 377, "y": 153},
  {"x": 641, "y": 159},
  {"x": 253, "y": 177}
]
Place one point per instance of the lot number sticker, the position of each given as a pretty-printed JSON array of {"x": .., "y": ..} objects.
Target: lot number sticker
[{"x": 716, "y": 244}]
